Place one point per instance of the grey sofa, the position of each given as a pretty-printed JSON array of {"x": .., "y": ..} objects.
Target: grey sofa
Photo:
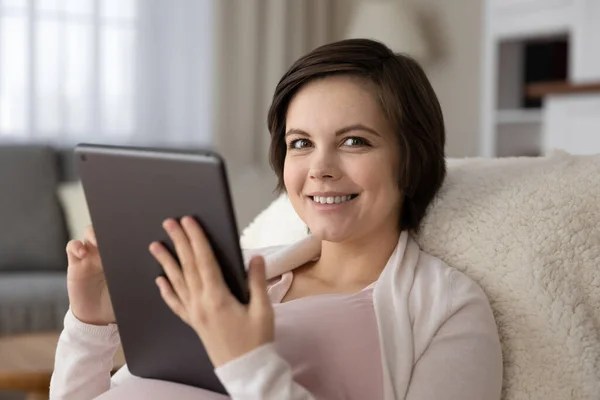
[{"x": 33, "y": 236}]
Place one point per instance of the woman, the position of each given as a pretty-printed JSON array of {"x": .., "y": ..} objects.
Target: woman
[{"x": 357, "y": 310}]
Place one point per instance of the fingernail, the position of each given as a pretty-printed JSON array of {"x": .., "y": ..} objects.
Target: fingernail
[
  {"x": 154, "y": 247},
  {"x": 168, "y": 225}
]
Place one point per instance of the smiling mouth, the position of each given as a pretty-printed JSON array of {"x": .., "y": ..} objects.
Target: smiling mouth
[{"x": 333, "y": 199}]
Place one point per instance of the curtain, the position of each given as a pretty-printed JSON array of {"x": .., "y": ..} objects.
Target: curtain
[
  {"x": 116, "y": 71},
  {"x": 256, "y": 42},
  {"x": 156, "y": 72},
  {"x": 176, "y": 72}
]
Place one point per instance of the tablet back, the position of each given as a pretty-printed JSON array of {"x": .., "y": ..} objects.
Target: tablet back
[{"x": 130, "y": 192}]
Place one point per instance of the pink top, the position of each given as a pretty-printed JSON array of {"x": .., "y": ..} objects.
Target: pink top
[
  {"x": 423, "y": 331},
  {"x": 331, "y": 342},
  {"x": 317, "y": 335}
]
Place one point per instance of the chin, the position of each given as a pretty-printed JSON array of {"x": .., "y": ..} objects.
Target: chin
[{"x": 330, "y": 233}]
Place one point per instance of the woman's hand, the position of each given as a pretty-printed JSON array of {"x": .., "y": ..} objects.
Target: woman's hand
[
  {"x": 86, "y": 284},
  {"x": 198, "y": 294}
]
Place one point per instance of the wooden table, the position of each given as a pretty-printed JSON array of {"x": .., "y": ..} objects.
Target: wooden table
[{"x": 27, "y": 362}]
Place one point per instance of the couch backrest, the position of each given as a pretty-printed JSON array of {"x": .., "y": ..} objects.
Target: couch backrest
[
  {"x": 67, "y": 170},
  {"x": 33, "y": 232}
]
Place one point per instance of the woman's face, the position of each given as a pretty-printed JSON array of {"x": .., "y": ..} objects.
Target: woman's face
[{"x": 341, "y": 164}]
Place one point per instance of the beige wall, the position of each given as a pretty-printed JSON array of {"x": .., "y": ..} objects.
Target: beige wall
[{"x": 454, "y": 31}]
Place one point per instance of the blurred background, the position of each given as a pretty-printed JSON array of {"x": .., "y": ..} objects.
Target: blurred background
[
  {"x": 202, "y": 72},
  {"x": 514, "y": 78}
]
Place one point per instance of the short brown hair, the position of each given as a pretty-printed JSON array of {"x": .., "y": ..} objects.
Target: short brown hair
[{"x": 407, "y": 99}]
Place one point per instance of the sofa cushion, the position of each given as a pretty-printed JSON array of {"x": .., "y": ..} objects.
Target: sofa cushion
[
  {"x": 32, "y": 228},
  {"x": 32, "y": 302}
]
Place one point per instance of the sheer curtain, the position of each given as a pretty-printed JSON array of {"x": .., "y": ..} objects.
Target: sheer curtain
[
  {"x": 117, "y": 71},
  {"x": 176, "y": 72},
  {"x": 256, "y": 42},
  {"x": 155, "y": 72}
]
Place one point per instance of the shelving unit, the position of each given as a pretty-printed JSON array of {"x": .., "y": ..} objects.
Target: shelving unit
[
  {"x": 518, "y": 117},
  {"x": 527, "y": 46}
]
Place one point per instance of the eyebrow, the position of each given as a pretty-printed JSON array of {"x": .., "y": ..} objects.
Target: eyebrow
[{"x": 349, "y": 128}]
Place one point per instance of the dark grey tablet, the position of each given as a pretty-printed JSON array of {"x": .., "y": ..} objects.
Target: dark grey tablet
[{"x": 130, "y": 192}]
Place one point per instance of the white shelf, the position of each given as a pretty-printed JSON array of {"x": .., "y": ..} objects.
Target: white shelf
[{"x": 519, "y": 116}]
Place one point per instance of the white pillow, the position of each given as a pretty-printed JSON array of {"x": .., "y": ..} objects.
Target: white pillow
[
  {"x": 72, "y": 199},
  {"x": 527, "y": 230},
  {"x": 278, "y": 224}
]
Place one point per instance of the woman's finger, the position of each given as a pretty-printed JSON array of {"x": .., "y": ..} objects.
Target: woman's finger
[
  {"x": 90, "y": 251},
  {"x": 184, "y": 251},
  {"x": 259, "y": 298},
  {"x": 172, "y": 270},
  {"x": 73, "y": 252},
  {"x": 206, "y": 262},
  {"x": 74, "y": 248},
  {"x": 170, "y": 297}
]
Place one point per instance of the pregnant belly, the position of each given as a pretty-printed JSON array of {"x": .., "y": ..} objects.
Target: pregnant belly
[{"x": 149, "y": 389}]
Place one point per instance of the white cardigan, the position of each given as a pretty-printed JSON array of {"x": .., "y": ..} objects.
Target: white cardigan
[{"x": 438, "y": 338}]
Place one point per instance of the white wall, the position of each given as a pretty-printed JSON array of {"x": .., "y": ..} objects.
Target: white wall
[{"x": 454, "y": 31}]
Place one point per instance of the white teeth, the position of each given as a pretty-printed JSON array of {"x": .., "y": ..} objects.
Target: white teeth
[{"x": 331, "y": 199}]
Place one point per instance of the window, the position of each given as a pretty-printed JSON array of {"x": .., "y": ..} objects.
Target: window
[{"x": 67, "y": 69}]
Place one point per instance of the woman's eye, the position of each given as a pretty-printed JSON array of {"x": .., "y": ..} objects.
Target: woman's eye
[
  {"x": 355, "y": 141},
  {"x": 299, "y": 144}
]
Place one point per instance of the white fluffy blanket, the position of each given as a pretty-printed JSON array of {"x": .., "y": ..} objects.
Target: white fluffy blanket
[{"x": 528, "y": 231}]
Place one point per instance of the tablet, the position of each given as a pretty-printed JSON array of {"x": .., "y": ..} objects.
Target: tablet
[{"x": 130, "y": 191}]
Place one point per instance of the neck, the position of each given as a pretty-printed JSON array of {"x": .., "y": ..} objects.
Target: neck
[{"x": 357, "y": 261}]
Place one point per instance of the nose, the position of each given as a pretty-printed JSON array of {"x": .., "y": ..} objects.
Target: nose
[{"x": 324, "y": 166}]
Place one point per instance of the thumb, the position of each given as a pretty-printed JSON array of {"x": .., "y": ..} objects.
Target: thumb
[
  {"x": 258, "y": 283},
  {"x": 92, "y": 252}
]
